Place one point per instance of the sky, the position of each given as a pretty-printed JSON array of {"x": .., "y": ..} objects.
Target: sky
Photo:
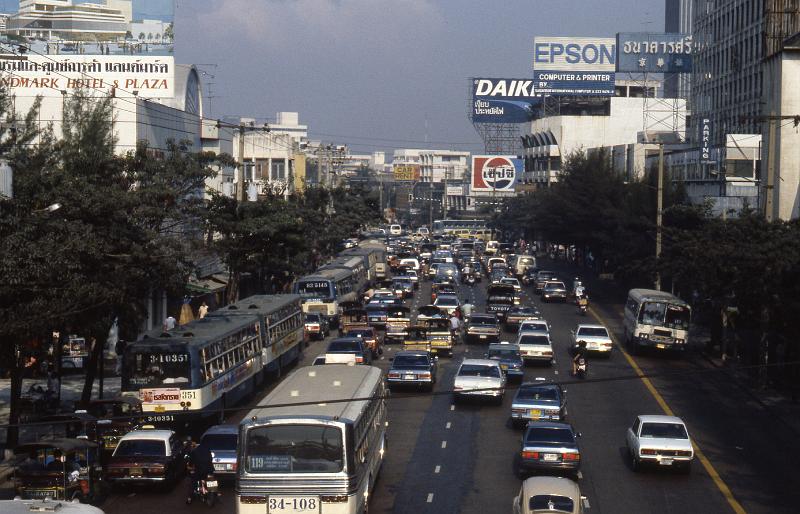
[{"x": 379, "y": 74}]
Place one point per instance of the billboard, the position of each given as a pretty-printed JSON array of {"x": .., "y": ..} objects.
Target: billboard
[
  {"x": 455, "y": 190},
  {"x": 647, "y": 52},
  {"x": 93, "y": 27},
  {"x": 406, "y": 172},
  {"x": 145, "y": 76},
  {"x": 495, "y": 173},
  {"x": 503, "y": 100},
  {"x": 567, "y": 66}
]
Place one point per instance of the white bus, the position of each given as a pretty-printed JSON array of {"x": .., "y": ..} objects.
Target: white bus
[
  {"x": 315, "y": 444},
  {"x": 656, "y": 319}
]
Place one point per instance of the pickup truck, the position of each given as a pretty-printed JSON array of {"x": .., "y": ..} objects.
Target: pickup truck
[{"x": 499, "y": 300}]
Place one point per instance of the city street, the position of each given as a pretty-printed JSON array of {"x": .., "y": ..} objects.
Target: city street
[{"x": 446, "y": 458}]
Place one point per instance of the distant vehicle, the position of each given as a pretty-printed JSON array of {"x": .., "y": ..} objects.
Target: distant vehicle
[
  {"x": 510, "y": 360},
  {"x": 657, "y": 320},
  {"x": 370, "y": 337},
  {"x": 317, "y": 326},
  {"x": 222, "y": 440},
  {"x": 412, "y": 368},
  {"x": 341, "y": 348},
  {"x": 659, "y": 440},
  {"x": 543, "y": 277},
  {"x": 491, "y": 247},
  {"x": 423, "y": 231},
  {"x": 554, "y": 290},
  {"x": 482, "y": 328},
  {"x": 523, "y": 263},
  {"x": 550, "y": 494},
  {"x": 411, "y": 263},
  {"x": 535, "y": 347},
  {"x": 517, "y": 315},
  {"x": 500, "y": 300},
  {"x": 491, "y": 262},
  {"x": 534, "y": 325},
  {"x": 538, "y": 402},
  {"x": 403, "y": 287},
  {"x": 148, "y": 457},
  {"x": 480, "y": 378},
  {"x": 377, "y": 313},
  {"x": 549, "y": 446},
  {"x": 596, "y": 338},
  {"x": 512, "y": 282},
  {"x": 395, "y": 230}
]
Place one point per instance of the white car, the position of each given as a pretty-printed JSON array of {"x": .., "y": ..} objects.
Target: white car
[
  {"x": 512, "y": 282},
  {"x": 534, "y": 325},
  {"x": 596, "y": 338},
  {"x": 480, "y": 377},
  {"x": 550, "y": 494},
  {"x": 659, "y": 440},
  {"x": 535, "y": 347},
  {"x": 447, "y": 303}
]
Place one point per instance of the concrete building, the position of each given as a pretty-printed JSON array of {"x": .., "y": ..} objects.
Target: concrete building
[
  {"x": 65, "y": 20},
  {"x": 589, "y": 124},
  {"x": 220, "y": 141},
  {"x": 677, "y": 19}
]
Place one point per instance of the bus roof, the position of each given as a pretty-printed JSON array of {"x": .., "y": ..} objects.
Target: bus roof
[
  {"x": 263, "y": 303},
  {"x": 327, "y": 274},
  {"x": 654, "y": 295},
  {"x": 210, "y": 328},
  {"x": 322, "y": 386}
]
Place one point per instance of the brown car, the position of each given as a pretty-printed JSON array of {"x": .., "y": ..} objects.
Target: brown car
[{"x": 148, "y": 457}]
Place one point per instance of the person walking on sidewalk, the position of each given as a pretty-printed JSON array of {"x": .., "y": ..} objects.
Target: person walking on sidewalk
[{"x": 202, "y": 311}]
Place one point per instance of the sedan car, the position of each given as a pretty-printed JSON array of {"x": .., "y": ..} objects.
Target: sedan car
[
  {"x": 370, "y": 336},
  {"x": 550, "y": 494},
  {"x": 534, "y": 325},
  {"x": 412, "y": 368},
  {"x": 596, "y": 338},
  {"x": 482, "y": 328},
  {"x": 549, "y": 446},
  {"x": 554, "y": 290},
  {"x": 403, "y": 287},
  {"x": 542, "y": 277},
  {"x": 222, "y": 441},
  {"x": 316, "y": 326},
  {"x": 480, "y": 378},
  {"x": 538, "y": 402},
  {"x": 512, "y": 282},
  {"x": 661, "y": 441},
  {"x": 510, "y": 360},
  {"x": 147, "y": 457},
  {"x": 344, "y": 349},
  {"x": 447, "y": 303},
  {"x": 516, "y": 315},
  {"x": 535, "y": 347}
]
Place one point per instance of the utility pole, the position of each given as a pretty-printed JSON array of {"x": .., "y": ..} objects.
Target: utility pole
[
  {"x": 769, "y": 199},
  {"x": 240, "y": 191},
  {"x": 660, "y": 210}
]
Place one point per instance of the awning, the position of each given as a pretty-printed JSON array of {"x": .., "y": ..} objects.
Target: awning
[{"x": 205, "y": 285}]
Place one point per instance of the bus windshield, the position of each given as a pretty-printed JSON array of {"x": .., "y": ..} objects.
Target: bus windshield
[
  {"x": 314, "y": 289},
  {"x": 294, "y": 449},
  {"x": 666, "y": 315},
  {"x": 148, "y": 367}
]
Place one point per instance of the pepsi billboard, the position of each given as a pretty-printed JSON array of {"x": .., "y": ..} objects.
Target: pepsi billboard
[
  {"x": 495, "y": 173},
  {"x": 566, "y": 66},
  {"x": 503, "y": 100}
]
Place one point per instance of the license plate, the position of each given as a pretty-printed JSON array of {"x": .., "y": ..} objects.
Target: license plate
[
  {"x": 661, "y": 346},
  {"x": 535, "y": 413},
  {"x": 504, "y": 366},
  {"x": 665, "y": 462},
  {"x": 483, "y": 337},
  {"x": 409, "y": 377},
  {"x": 211, "y": 483},
  {"x": 292, "y": 505},
  {"x": 135, "y": 472},
  {"x": 550, "y": 457}
]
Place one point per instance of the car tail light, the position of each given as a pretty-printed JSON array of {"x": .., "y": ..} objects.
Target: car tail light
[
  {"x": 155, "y": 470},
  {"x": 548, "y": 352},
  {"x": 571, "y": 456},
  {"x": 359, "y": 359},
  {"x": 648, "y": 452},
  {"x": 425, "y": 375},
  {"x": 235, "y": 466},
  {"x": 683, "y": 453},
  {"x": 85, "y": 487},
  {"x": 394, "y": 375},
  {"x": 530, "y": 455}
]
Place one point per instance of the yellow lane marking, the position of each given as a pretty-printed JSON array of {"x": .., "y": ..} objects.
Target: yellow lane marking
[{"x": 712, "y": 472}]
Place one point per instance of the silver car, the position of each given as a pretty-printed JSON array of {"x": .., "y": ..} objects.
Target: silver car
[
  {"x": 222, "y": 441},
  {"x": 538, "y": 402}
]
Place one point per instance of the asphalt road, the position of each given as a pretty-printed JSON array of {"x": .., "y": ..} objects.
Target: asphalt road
[{"x": 446, "y": 458}]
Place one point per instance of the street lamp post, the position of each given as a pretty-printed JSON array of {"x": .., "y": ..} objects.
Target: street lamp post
[{"x": 660, "y": 210}]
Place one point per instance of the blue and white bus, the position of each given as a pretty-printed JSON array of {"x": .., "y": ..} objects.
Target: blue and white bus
[{"x": 324, "y": 290}]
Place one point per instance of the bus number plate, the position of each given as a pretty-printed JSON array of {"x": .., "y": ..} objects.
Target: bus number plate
[{"x": 293, "y": 504}]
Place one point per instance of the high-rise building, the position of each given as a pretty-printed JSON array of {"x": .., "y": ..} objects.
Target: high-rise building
[{"x": 677, "y": 19}]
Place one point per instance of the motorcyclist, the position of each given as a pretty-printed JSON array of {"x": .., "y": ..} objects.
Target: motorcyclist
[
  {"x": 201, "y": 465},
  {"x": 455, "y": 325},
  {"x": 580, "y": 292},
  {"x": 580, "y": 353}
]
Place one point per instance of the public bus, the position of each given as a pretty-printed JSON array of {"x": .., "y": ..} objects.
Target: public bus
[
  {"x": 354, "y": 264},
  {"x": 442, "y": 227},
  {"x": 315, "y": 444},
  {"x": 324, "y": 290},
  {"x": 374, "y": 254},
  {"x": 656, "y": 319},
  {"x": 208, "y": 364}
]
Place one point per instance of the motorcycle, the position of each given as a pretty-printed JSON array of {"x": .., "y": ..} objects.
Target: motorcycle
[
  {"x": 580, "y": 368},
  {"x": 583, "y": 305},
  {"x": 206, "y": 490}
]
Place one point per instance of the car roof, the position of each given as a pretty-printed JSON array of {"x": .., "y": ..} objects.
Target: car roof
[
  {"x": 660, "y": 419},
  {"x": 550, "y": 424},
  {"x": 222, "y": 429},
  {"x": 153, "y": 435},
  {"x": 537, "y": 385},
  {"x": 415, "y": 353},
  {"x": 551, "y": 485},
  {"x": 503, "y": 346},
  {"x": 590, "y": 325},
  {"x": 480, "y": 362}
]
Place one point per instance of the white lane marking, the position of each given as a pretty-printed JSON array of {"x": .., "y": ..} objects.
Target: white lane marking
[
  {"x": 555, "y": 372},
  {"x": 580, "y": 475},
  {"x": 444, "y": 444},
  {"x": 448, "y": 425},
  {"x": 453, "y": 407},
  {"x": 430, "y": 497},
  {"x": 437, "y": 469}
]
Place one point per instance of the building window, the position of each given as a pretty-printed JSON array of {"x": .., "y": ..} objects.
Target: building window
[{"x": 278, "y": 171}]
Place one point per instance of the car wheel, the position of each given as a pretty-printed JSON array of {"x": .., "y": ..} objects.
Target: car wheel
[{"x": 635, "y": 464}]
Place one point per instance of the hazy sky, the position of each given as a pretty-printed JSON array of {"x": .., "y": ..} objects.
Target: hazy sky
[{"x": 380, "y": 74}]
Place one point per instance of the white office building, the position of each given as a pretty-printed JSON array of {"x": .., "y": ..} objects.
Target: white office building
[{"x": 65, "y": 20}]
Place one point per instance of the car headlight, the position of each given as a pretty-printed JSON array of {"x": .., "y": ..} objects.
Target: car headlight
[{"x": 642, "y": 335}]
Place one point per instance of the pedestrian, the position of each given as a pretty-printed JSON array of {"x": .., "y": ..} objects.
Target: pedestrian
[
  {"x": 169, "y": 323},
  {"x": 202, "y": 311},
  {"x": 119, "y": 349}
]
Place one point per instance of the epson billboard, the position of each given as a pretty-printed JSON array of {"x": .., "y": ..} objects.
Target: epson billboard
[
  {"x": 503, "y": 100},
  {"x": 566, "y": 66}
]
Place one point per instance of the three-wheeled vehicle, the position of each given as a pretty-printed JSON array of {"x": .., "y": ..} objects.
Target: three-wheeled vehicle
[
  {"x": 427, "y": 312},
  {"x": 115, "y": 418},
  {"x": 416, "y": 338},
  {"x": 440, "y": 336},
  {"x": 61, "y": 469},
  {"x": 398, "y": 318},
  {"x": 352, "y": 318}
]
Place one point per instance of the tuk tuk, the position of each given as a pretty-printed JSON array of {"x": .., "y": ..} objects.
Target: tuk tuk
[
  {"x": 429, "y": 311},
  {"x": 416, "y": 338},
  {"x": 115, "y": 418},
  {"x": 398, "y": 318},
  {"x": 352, "y": 318},
  {"x": 440, "y": 336},
  {"x": 60, "y": 469}
]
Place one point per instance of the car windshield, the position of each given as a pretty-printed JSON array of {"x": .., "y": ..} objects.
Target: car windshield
[
  {"x": 537, "y": 393},
  {"x": 476, "y": 370},
  {"x": 141, "y": 448},
  {"x": 312, "y": 318},
  {"x": 523, "y": 311},
  {"x": 664, "y": 431},
  {"x": 344, "y": 346},
  {"x": 221, "y": 442},
  {"x": 549, "y": 435},
  {"x": 534, "y": 339},
  {"x": 483, "y": 320},
  {"x": 294, "y": 449},
  {"x": 533, "y": 327},
  {"x": 545, "y": 275},
  {"x": 410, "y": 361},
  {"x": 503, "y": 354},
  {"x": 554, "y": 285},
  {"x": 551, "y": 503},
  {"x": 592, "y": 332},
  {"x": 446, "y": 301}
]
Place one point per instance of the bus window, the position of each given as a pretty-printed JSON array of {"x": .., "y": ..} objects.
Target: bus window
[
  {"x": 155, "y": 368},
  {"x": 294, "y": 449}
]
